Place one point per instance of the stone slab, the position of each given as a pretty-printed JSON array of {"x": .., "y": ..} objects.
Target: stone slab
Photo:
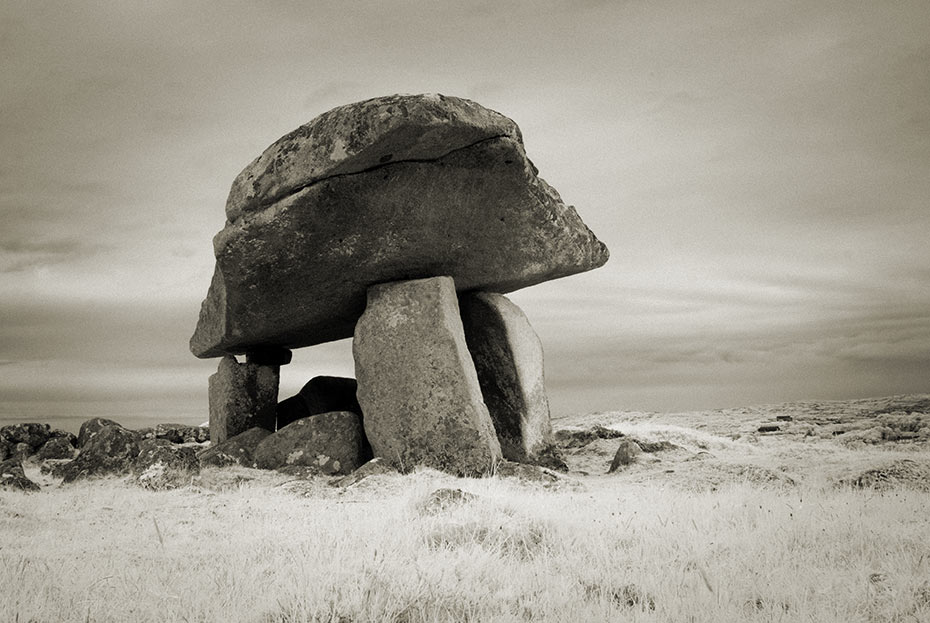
[
  {"x": 417, "y": 384},
  {"x": 296, "y": 258},
  {"x": 242, "y": 395},
  {"x": 508, "y": 359}
]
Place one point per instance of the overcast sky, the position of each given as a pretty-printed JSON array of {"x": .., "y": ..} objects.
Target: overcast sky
[{"x": 759, "y": 170}]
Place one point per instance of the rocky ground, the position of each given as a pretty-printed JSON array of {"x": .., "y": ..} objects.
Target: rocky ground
[
  {"x": 877, "y": 443},
  {"x": 703, "y": 516}
]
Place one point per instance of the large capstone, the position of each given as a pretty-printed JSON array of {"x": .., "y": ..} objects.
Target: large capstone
[
  {"x": 390, "y": 189},
  {"x": 508, "y": 358},
  {"x": 417, "y": 384}
]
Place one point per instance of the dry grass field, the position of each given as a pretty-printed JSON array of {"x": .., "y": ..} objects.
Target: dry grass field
[{"x": 825, "y": 519}]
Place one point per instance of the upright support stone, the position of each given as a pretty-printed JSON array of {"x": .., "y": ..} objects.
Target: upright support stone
[
  {"x": 242, "y": 396},
  {"x": 508, "y": 358},
  {"x": 417, "y": 384}
]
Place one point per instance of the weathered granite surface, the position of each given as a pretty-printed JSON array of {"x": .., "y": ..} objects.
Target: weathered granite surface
[
  {"x": 417, "y": 384},
  {"x": 391, "y": 189},
  {"x": 508, "y": 358}
]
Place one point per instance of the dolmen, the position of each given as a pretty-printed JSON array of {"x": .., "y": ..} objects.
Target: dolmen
[{"x": 401, "y": 222}]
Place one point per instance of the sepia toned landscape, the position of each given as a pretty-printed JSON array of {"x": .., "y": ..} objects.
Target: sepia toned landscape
[
  {"x": 821, "y": 518},
  {"x": 480, "y": 311}
]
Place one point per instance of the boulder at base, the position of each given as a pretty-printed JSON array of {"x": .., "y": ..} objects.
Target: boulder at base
[
  {"x": 375, "y": 467},
  {"x": 110, "y": 451},
  {"x": 56, "y": 448},
  {"x": 417, "y": 384},
  {"x": 237, "y": 450},
  {"x": 32, "y": 434},
  {"x": 14, "y": 478},
  {"x": 394, "y": 188},
  {"x": 625, "y": 455},
  {"x": 508, "y": 358},
  {"x": 182, "y": 433},
  {"x": 91, "y": 427},
  {"x": 164, "y": 465},
  {"x": 331, "y": 443}
]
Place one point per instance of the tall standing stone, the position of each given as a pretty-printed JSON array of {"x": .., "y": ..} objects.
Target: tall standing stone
[
  {"x": 508, "y": 358},
  {"x": 417, "y": 384},
  {"x": 242, "y": 395}
]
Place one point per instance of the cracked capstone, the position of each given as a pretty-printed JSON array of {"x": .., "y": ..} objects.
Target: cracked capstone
[{"x": 389, "y": 189}]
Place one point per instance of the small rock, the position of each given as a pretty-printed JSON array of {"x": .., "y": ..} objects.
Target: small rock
[
  {"x": 31, "y": 434},
  {"x": 568, "y": 438},
  {"x": 146, "y": 433},
  {"x": 161, "y": 466},
  {"x": 182, "y": 433},
  {"x": 13, "y": 477},
  {"x": 331, "y": 442},
  {"x": 626, "y": 454},
  {"x": 373, "y": 467},
  {"x": 550, "y": 456},
  {"x": 108, "y": 451},
  {"x": 57, "y": 448},
  {"x": 784, "y": 418},
  {"x": 71, "y": 437},
  {"x": 444, "y": 499},
  {"x": 20, "y": 451},
  {"x": 522, "y": 471},
  {"x": 769, "y": 428},
  {"x": 92, "y": 427},
  {"x": 238, "y": 450},
  {"x": 657, "y": 446}
]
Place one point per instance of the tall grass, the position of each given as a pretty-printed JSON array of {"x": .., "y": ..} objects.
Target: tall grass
[{"x": 272, "y": 551}]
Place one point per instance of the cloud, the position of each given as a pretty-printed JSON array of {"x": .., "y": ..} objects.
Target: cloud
[
  {"x": 22, "y": 255},
  {"x": 759, "y": 172}
]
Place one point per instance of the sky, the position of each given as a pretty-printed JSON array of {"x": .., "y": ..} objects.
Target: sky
[{"x": 760, "y": 172}]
